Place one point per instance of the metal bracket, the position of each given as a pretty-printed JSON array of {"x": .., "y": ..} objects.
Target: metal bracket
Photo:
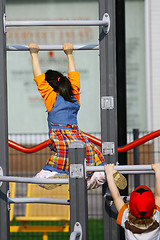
[
  {"x": 107, "y": 102},
  {"x": 106, "y": 28},
  {"x": 78, "y": 228},
  {"x": 108, "y": 148},
  {"x": 1, "y": 174},
  {"x": 4, "y": 23},
  {"x": 77, "y": 233},
  {"x": 85, "y": 170},
  {"x": 76, "y": 171},
  {"x": 8, "y": 202}
]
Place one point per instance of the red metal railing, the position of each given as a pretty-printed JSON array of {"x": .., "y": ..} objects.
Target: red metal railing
[
  {"x": 97, "y": 141},
  {"x": 28, "y": 149}
]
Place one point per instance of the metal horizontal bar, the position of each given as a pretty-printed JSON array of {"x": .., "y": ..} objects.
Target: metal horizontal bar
[
  {"x": 52, "y": 47},
  {"x": 39, "y": 200},
  {"x": 125, "y": 169},
  {"x": 34, "y": 180},
  {"x": 137, "y": 172},
  {"x": 56, "y": 23},
  {"x": 133, "y": 167}
]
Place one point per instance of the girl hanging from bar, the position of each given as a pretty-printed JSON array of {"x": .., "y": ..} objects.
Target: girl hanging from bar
[{"x": 62, "y": 100}]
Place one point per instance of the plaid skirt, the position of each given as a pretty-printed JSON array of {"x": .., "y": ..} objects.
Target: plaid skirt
[{"x": 59, "y": 143}]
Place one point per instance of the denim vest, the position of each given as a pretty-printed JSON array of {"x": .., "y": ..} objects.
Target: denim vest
[{"x": 63, "y": 113}]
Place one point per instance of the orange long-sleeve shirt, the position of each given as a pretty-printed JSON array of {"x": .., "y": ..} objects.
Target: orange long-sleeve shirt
[{"x": 48, "y": 93}]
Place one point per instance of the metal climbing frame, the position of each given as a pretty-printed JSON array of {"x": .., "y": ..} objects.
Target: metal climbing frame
[
  {"x": 78, "y": 188},
  {"x": 108, "y": 94},
  {"x": 104, "y": 22}
]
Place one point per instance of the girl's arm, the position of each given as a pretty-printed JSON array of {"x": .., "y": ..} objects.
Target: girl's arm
[
  {"x": 109, "y": 170},
  {"x": 34, "y": 49},
  {"x": 44, "y": 88},
  {"x": 68, "y": 49},
  {"x": 73, "y": 76},
  {"x": 156, "y": 168}
]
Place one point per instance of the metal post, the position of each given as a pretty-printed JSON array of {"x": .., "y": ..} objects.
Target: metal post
[
  {"x": 107, "y": 46},
  {"x": 78, "y": 187},
  {"x": 108, "y": 95},
  {"x": 136, "y": 157},
  {"x": 4, "y": 213},
  {"x": 121, "y": 87}
]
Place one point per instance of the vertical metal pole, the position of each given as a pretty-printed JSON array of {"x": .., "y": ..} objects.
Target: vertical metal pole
[
  {"x": 136, "y": 157},
  {"x": 78, "y": 187},
  {"x": 108, "y": 88},
  {"x": 121, "y": 79},
  {"x": 121, "y": 88},
  {"x": 4, "y": 214}
]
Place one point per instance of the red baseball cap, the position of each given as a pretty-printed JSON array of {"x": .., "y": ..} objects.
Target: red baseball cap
[{"x": 142, "y": 202}]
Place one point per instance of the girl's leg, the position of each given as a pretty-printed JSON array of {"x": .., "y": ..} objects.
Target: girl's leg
[
  {"x": 94, "y": 181},
  {"x": 45, "y": 174},
  {"x": 49, "y": 174}
]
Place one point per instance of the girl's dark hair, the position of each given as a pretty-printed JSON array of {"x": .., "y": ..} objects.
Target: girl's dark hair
[{"x": 60, "y": 84}]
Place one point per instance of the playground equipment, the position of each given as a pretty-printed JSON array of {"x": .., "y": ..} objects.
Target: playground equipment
[
  {"x": 78, "y": 191},
  {"x": 77, "y": 182},
  {"x": 4, "y": 24}
]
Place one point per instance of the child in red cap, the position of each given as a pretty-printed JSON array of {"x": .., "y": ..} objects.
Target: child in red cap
[{"x": 142, "y": 218}]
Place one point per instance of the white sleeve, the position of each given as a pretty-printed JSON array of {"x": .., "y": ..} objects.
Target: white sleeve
[{"x": 124, "y": 218}]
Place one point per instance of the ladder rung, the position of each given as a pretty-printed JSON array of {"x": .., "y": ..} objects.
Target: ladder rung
[{"x": 52, "y": 47}]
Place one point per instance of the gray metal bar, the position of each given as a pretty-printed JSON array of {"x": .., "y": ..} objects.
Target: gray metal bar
[
  {"x": 121, "y": 168},
  {"x": 133, "y": 167},
  {"x": 52, "y": 47},
  {"x": 137, "y": 172},
  {"x": 39, "y": 200},
  {"x": 34, "y": 180},
  {"x": 4, "y": 213},
  {"x": 56, "y": 23},
  {"x": 125, "y": 169},
  {"x": 78, "y": 187}
]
